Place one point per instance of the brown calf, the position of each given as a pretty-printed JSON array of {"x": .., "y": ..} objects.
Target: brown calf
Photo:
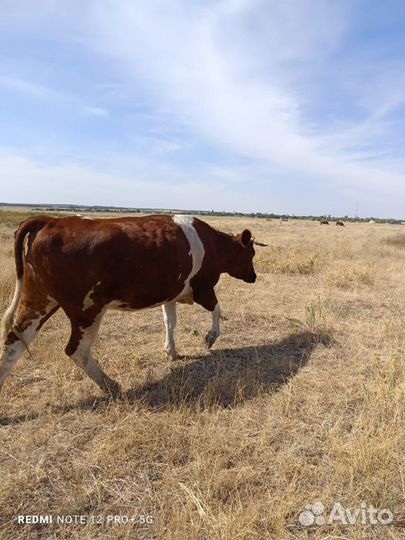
[
  {"x": 86, "y": 266},
  {"x": 324, "y": 222},
  {"x": 340, "y": 224}
]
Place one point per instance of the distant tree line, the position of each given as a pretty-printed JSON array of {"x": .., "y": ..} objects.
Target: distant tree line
[{"x": 129, "y": 210}]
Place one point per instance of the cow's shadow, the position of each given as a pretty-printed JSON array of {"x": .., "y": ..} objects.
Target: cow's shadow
[{"x": 225, "y": 377}]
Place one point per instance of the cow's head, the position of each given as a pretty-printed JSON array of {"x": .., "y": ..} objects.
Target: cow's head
[{"x": 240, "y": 265}]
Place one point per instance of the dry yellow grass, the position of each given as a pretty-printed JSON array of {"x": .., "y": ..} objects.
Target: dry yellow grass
[{"x": 300, "y": 401}]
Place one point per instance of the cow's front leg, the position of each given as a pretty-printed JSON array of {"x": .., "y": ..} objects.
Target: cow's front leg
[
  {"x": 214, "y": 333},
  {"x": 208, "y": 300},
  {"x": 170, "y": 319}
]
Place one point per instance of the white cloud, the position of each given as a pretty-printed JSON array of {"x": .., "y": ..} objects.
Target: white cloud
[
  {"x": 27, "y": 180},
  {"x": 28, "y": 88},
  {"x": 35, "y": 90},
  {"x": 95, "y": 111}
]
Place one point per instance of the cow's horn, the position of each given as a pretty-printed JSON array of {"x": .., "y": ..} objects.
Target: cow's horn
[{"x": 259, "y": 243}]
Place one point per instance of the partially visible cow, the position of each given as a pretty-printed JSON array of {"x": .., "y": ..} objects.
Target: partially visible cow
[
  {"x": 86, "y": 266},
  {"x": 340, "y": 224},
  {"x": 324, "y": 222}
]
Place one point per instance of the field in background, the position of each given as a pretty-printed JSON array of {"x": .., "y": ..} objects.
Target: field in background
[{"x": 299, "y": 401}]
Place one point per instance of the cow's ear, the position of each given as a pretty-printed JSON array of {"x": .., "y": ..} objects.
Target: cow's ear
[{"x": 245, "y": 237}]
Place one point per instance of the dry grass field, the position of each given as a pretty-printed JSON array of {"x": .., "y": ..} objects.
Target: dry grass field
[{"x": 299, "y": 401}]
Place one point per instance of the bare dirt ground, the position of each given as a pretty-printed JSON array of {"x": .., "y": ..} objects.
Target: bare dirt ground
[{"x": 299, "y": 401}]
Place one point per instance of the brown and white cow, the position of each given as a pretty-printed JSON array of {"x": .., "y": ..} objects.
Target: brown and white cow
[
  {"x": 340, "y": 224},
  {"x": 324, "y": 222},
  {"x": 86, "y": 266}
]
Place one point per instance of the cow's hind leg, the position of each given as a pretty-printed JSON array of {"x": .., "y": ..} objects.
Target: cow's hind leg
[
  {"x": 30, "y": 318},
  {"x": 79, "y": 350}
]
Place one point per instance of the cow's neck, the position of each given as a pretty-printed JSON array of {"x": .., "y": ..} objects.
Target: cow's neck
[{"x": 228, "y": 247}]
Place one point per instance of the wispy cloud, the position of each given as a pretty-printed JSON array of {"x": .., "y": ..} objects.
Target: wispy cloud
[
  {"x": 95, "y": 111},
  {"x": 38, "y": 91},
  {"x": 149, "y": 186},
  {"x": 27, "y": 88}
]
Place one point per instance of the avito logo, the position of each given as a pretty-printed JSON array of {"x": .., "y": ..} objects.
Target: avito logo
[{"x": 314, "y": 514}]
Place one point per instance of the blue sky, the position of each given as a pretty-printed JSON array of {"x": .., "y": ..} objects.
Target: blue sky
[{"x": 293, "y": 106}]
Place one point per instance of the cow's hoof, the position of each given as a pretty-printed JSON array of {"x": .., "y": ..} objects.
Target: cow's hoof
[
  {"x": 172, "y": 355},
  {"x": 210, "y": 339}
]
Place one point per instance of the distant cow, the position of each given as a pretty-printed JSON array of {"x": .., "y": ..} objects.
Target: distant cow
[
  {"x": 86, "y": 266},
  {"x": 340, "y": 224},
  {"x": 324, "y": 222}
]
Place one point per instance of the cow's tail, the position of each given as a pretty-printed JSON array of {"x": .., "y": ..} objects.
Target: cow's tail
[{"x": 29, "y": 226}]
